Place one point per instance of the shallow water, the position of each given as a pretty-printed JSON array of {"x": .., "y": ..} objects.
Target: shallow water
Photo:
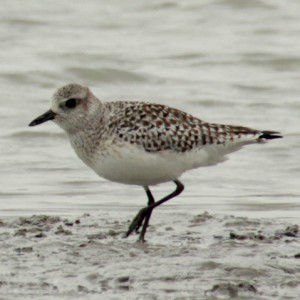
[
  {"x": 225, "y": 61},
  {"x": 222, "y": 61}
]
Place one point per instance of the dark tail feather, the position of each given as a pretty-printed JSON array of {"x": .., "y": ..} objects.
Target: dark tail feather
[{"x": 270, "y": 135}]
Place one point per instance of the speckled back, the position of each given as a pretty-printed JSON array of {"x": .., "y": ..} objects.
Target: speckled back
[{"x": 157, "y": 127}]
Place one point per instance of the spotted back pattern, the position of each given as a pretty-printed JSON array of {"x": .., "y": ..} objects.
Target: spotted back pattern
[{"x": 158, "y": 127}]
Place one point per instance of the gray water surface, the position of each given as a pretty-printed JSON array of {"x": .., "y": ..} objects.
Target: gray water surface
[
  {"x": 232, "y": 62},
  {"x": 224, "y": 61}
]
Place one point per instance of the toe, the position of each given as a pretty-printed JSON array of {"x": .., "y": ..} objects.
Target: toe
[{"x": 137, "y": 221}]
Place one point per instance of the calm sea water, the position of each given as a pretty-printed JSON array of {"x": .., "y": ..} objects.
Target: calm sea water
[{"x": 234, "y": 62}]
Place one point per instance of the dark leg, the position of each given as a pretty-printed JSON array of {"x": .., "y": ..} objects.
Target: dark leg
[
  {"x": 147, "y": 217},
  {"x": 145, "y": 213},
  {"x": 151, "y": 201}
]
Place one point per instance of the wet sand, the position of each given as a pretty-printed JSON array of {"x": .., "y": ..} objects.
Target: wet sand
[{"x": 200, "y": 256}]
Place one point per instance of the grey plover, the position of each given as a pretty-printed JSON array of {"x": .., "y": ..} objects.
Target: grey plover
[{"x": 141, "y": 143}]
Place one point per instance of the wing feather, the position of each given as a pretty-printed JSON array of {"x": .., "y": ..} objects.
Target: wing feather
[{"x": 158, "y": 127}]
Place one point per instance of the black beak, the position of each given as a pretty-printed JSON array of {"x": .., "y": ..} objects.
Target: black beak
[{"x": 47, "y": 116}]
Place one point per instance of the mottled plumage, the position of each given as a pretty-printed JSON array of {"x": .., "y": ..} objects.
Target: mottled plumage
[
  {"x": 142, "y": 143},
  {"x": 158, "y": 127}
]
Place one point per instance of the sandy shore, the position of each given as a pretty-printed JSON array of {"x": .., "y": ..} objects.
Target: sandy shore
[{"x": 186, "y": 257}]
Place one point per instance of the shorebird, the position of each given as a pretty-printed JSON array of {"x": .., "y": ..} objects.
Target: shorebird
[{"x": 141, "y": 143}]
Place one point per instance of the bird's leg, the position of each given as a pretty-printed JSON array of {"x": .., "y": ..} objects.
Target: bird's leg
[
  {"x": 145, "y": 213},
  {"x": 143, "y": 217},
  {"x": 146, "y": 219}
]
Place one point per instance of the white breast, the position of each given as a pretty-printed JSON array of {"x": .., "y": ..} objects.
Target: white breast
[{"x": 130, "y": 164}]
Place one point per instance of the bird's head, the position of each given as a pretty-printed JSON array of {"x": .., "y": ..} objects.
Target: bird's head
[{"x": 71, "y": 107}]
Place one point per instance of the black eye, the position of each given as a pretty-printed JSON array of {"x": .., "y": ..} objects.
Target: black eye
[{"x": 71, "y": 103}]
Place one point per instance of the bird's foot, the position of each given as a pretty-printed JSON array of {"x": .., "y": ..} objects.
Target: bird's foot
[{"x": 137, "y": 221}]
